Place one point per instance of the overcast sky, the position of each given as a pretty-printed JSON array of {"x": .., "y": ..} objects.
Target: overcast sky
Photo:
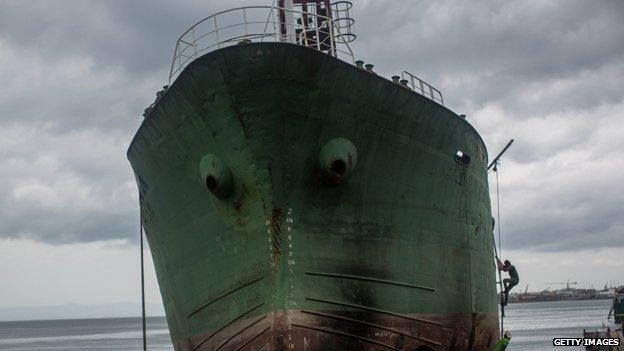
[{"x": 75, "y": 77}]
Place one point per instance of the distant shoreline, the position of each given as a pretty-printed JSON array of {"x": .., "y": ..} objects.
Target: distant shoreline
[
  {"x": 78, "y": 311},
  {"x": 77, "y": 319}
]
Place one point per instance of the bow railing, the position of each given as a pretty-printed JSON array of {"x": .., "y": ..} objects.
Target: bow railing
[
  {"x": 260, "y": 24},
  {"x": 423, "y": 88}
]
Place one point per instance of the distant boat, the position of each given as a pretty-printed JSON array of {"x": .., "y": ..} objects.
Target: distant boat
[
  {"x": 560, "y": 295},
  {"x": 617, "y": 310},
  {"x": 604, "y": 333}
]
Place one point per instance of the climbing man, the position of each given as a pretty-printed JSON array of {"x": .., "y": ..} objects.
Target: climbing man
[{"x": 510, "y": 282}]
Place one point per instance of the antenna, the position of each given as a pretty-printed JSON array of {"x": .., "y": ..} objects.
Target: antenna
[{"x": 495, "y": 161}]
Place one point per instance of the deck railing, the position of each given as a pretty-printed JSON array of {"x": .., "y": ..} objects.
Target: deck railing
[
  {"x": 258, "y": 24},
  {"x": 423, "y": 88}
]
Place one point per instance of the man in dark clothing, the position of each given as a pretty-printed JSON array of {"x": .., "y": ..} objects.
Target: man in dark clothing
[{"x": 510, "y": 282}]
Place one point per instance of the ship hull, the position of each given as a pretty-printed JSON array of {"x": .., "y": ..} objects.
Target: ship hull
[{"x": 398, "y": 256}]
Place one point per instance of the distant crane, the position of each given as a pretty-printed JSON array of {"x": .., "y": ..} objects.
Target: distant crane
[{"x": 567, "y": 284}]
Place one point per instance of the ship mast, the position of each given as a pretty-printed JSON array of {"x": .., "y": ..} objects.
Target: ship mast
[{"x": 287, "y": 21}]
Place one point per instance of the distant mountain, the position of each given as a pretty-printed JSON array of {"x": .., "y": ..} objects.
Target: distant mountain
[{"x": 76, "y": 311}]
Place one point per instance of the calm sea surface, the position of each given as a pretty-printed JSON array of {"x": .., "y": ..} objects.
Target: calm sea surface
[{"x": 533, "y": 325}]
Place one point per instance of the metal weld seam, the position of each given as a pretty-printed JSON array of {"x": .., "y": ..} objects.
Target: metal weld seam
[
  {"x": 366, "y": 308},
  {"x": 240, "y": 331},
  {"x": 225, "y": 326},
  {"x": 224, "y": 295},
  {"x": 371, "y": 325},
  {"x": 252, "y": 339},
  {"x": 336, "y": 332},
  {"x": 370, "y": 279}
]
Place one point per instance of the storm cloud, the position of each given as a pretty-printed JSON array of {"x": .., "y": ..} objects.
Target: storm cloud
[{"x": 77, "y": 75}]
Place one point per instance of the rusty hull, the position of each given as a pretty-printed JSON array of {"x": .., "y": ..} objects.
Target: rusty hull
[
  {"x": 396, "y": 256},
  {"x": 340, "y": 330}
]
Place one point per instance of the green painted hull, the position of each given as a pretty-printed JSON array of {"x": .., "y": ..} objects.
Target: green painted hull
[{"x": 399, "y": 256}]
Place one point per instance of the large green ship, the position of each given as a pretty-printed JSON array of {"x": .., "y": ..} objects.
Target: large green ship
[{"x": 293, "y": 199}]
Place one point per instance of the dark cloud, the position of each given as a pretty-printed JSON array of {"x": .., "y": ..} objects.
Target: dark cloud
[
  {"x": 65, "y": 187},
  {"x": 563, "y": 207},
  {"x": 124, "y": 34},
  {"x": 490, "y": 51},
  {"x": 76, "y": 78}
]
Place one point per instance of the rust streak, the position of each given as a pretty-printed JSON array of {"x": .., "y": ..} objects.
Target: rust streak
[
  {"x": 276, "y": 231},
  {"x": 239, "y": 116},
  {"x": 252, "y": 339},
  {"x": 238, "y": 204},
  {"x": 371, "y": 325},
  {"x": 240, "y": 331},
  {"x": 353, "y": 336},
  {"x": 225, "y": 326}
]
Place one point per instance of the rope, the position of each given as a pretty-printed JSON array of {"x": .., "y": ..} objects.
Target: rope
[
  {"x": 500, "y": 245},
  {"x": 496, "y": 251},
  {"x": 142, "y": 283}
]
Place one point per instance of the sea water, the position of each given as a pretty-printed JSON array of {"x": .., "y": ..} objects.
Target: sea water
[
  {"x": 84, "y": 334},
  {"x": 533, "y": 326}
]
